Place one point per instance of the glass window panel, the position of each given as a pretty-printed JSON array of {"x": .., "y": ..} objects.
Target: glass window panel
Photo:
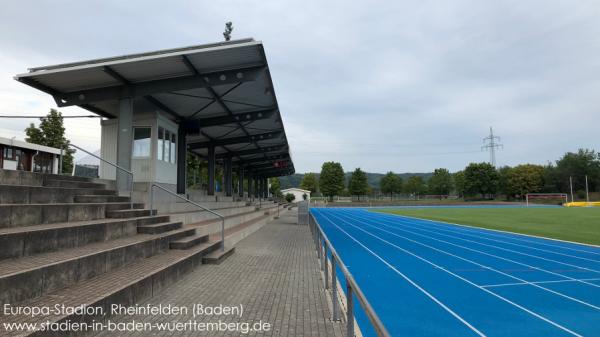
[
  {"x": 173, "y": 147},
  {"x": 167, "y": 145},
  {"x": 141, "y": 142},
  {"x": 159, "y": 144}
]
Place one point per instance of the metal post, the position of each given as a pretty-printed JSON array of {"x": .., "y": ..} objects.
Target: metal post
[
  {"x": 223, "y": 234},
  {"x": 321, "y": 248},
  {"x": 326, "y": 268},
  {"x": 350, "y": 310},
  {"x": 587, "y": 194},
  {"x": 571, "y": 184},
  {"x": 60, "y": 162},
  {"x": 151, "y": 197},
  {"x": 318, "y": 245},
  {"x": 211, "y": 170},
  {"x": 334, "y": 299}
]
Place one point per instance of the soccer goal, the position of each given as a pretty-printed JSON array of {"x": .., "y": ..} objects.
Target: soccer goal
[{"x": 546, "y": 197}]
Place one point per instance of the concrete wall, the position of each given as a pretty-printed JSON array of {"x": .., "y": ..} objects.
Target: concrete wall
[{"x": 144, "y": 169}]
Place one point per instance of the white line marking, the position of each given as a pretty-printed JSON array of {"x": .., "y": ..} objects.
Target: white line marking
[
  {"x": 480, "y": 265},
  {"x": 413, "y": 283},
  {"x": 402, "y": 227},
  {"x": 475, "y": 228},
  {"x": 469, "y": 282},
  {"x": 399, "y": 218},
  {"x": 538, "y": 282}
]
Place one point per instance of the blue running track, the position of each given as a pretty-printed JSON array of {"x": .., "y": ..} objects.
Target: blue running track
[{"x": 429, "y": 278}]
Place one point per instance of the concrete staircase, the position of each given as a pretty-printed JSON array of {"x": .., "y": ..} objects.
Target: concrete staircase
[{"x": 72, "y": 241}]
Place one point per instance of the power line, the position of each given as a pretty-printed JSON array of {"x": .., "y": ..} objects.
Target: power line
[
  {"x": 17, "y": 116},
  {"x": 491, "y": 144}
]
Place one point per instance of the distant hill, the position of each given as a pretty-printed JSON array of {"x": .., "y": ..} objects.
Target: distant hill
[{"x": 372, "y": 178}]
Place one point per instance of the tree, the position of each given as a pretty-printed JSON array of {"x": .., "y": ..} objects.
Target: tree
[
  {"x": 415, "y": 185},
  {"x": 275, "y": 188},
  {"x": 391, "y": 184},
  {"x": 289, "y": 197},
  {"x": 357, "y": 185},
  {"x": 331, "y": 180},
  {"x": 481, "y": 178},
  {"x": 440, "y": 182},
  {"x": 577, "y": 165},
  {"x": 309, "y": 182},
  {"x": 228, "y": 30},
  {"x": 459, "y": 183},
  {"x": 503, "y": 176},
  {"x": 51, "y": 132},
  {"x": 525, "y": 179}
]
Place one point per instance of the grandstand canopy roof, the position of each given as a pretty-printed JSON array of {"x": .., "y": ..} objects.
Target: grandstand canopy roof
[{"x": 221, "y": 93}]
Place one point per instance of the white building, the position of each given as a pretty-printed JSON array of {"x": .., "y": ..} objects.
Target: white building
[
  {"x": 297, "y": 192},
  {"x": 23, "y": 156}
]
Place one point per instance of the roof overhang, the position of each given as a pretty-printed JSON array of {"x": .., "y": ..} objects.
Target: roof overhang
[{"x": 221, "y": 94}]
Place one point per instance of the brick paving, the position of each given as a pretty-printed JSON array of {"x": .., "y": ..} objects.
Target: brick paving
[{"x": 274, "y": 274}]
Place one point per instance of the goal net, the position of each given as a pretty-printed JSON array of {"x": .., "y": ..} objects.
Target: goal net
[{"x": 546, "y": 198}]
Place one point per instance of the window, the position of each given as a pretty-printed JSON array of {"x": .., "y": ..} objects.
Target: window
[
  {"x": 167, "y": 145},
  {"x": 141, "y": 142},
  {"x": 173, "y": 147},
  {"x": 159, "y": 145},
  {"x": 9, "y": 153}
]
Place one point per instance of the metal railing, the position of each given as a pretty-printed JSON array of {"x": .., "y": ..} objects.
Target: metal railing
[
  {"x": 193, "y": 203},
  {"x": 323, "y": 245},
  {"x": 130, "y": 178}
]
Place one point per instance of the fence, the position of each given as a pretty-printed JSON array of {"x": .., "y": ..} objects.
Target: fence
[{"x": 325, "y": 253}]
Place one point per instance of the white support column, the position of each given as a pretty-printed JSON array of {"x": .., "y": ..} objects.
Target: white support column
[{"x": 124, "y": 142}]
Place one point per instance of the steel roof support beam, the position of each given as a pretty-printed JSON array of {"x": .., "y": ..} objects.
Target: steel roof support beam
[
  {"x": 250, "y": 116},
  {"x": 141, "y": 89},
  {"x": 283, "y": 156},
  {"x": 266, "y": 150},
  {"x": 236, "y": 140}
]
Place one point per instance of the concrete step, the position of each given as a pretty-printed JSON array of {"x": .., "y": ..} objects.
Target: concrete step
[
  {"x": 129, "y": 213},
  {"x": 33, "y": 276},
  {"x": 13, "y": 177},
  {"x": 73, "y": 183},
  {"x": 189, "y": 241},
  {"x": 99, "y": 198},
  {"x": 24, "y": 194},
  {"x": 158, "y": 228},
  {"x": 127, "y": 286},
  {"x": 25, "y": 241},
  {"x": 16, "y": 215},
  {"x": 218, "y": 256}
]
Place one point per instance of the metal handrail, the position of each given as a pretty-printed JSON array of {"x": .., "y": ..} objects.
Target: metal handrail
[
  {"x": 110, "y": 163},
  {"x": 351, "y": 285},
  {"x": 193, "y": 203}
]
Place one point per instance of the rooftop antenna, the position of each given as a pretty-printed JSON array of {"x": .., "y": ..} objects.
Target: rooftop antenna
[
  {"x": 491, "y": 144},
  {"x": 228, "y": 30}
]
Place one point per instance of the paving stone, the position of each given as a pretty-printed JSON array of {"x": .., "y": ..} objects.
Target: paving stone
[{"x": 274, "y": 273}]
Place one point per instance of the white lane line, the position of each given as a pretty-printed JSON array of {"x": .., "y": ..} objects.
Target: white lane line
[
  {"x": 479, "y": 264},
  {"x": 538, "y": 282},
  {"x": 403, "y": 226},
  {"x": 402, "y": 221},
  {"x": 469, "y": 282},
  {"x": 408, "y": 279},
  {"x": 470, "y": 229}
]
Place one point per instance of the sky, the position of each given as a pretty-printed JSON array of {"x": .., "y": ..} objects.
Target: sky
[{"x": 406, "y": 86}]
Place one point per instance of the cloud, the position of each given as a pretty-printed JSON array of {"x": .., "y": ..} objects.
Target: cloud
[{"x": 384, "y": 85}]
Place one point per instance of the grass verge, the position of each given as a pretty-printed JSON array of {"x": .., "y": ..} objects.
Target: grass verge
[{"x": 563, "y": 223}]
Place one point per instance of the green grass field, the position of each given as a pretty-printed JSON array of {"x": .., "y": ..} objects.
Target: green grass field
[{"x": 564, "y": 223}]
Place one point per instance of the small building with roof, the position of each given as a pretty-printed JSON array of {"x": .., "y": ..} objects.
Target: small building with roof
[{"x": 24, "y": 156}]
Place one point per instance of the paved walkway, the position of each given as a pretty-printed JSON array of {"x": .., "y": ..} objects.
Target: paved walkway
[{"x": 274, "y": 274}]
